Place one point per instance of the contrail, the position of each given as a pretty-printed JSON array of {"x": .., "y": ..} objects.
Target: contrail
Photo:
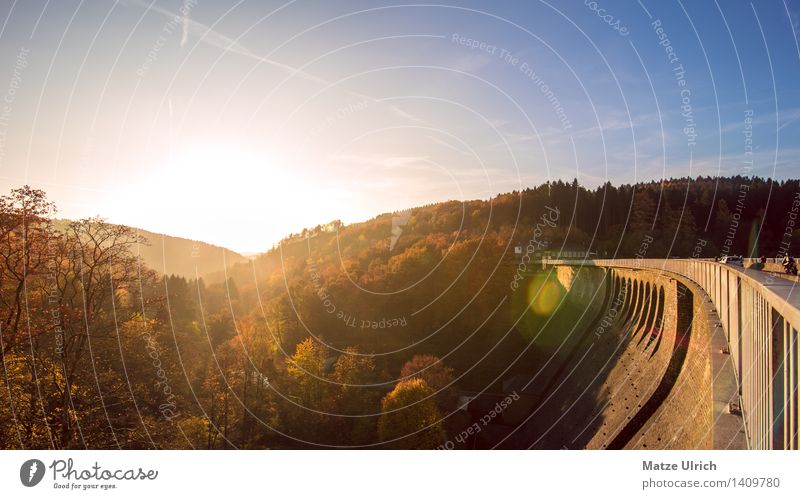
[
  {"x": 185, "y": 34},
  {"x": 218, "y": 40}
]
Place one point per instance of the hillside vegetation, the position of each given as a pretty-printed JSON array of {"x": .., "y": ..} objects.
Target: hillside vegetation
[
  {"x": 340, "y": 336},
  {"x": 172, "y": 255}
]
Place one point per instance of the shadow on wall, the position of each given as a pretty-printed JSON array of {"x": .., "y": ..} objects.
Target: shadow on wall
[{"x": 605, "y": 350}]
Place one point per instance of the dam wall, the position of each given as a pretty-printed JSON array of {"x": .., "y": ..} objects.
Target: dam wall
[{"x": 646, "y": 371}]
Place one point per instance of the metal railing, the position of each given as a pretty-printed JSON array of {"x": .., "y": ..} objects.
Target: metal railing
[{"x": 760, "y": 314}]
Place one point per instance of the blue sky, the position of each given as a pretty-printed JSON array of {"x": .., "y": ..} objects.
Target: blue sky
[{"x": 280, "y": 115}]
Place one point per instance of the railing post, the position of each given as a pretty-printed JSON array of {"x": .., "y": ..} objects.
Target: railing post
[
  {"x": 791, "y": 386},
  {"x": 777, "y": 380}
]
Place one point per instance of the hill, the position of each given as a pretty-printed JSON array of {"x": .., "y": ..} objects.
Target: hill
[
  {"x": 182, "y": 257},
  {"x": 433, "y": 276},
  {"x": 334, "y": 321}
]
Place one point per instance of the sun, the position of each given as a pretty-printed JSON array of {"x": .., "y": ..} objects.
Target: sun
[
  {"x": 213, "y": 169},
  {"x": 223, "y": 193}
]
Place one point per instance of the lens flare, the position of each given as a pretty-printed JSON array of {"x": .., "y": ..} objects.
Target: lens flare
[{"x": 544, "y": 296}]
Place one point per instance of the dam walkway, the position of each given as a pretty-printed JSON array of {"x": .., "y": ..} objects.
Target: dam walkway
[{"x": 759, "y": 313}]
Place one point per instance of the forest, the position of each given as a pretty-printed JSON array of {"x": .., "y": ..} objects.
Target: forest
[{"x": 361, "y": 335}]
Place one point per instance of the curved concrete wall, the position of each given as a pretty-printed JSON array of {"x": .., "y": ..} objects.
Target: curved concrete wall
[
  {"x": 642, "y": 375},
  {"x": 759, "y": 316}
]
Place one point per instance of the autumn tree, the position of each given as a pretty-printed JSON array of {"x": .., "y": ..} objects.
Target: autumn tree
[
  {"x": 98, "y": 280},
  {"x": 305, "y": 416},
  {"x": 436, "y": 375},
  {"x": 26, "y": 258},
  {"x": 255, "y": 349},
  {"x": 223, "y": 375},
  {"x": 410, "y": 418},
  {"x": 307, "y": 368},
  {"x": 354, "y": 374}
]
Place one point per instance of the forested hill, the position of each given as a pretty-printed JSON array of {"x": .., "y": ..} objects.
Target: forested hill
[
  {"x": 731, "y": 215},
  {"x": 172, "y": 255},
  {"x": 450, "y": 252},
  {"x": 386, "y": 320},
  {"x": 429, "y": 264}
]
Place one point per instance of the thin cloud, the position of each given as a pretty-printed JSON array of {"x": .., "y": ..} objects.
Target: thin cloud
[
  {"x": 218, "y": 40},
  {"x": 383, "y": 161},
  {"x": 441, "y": 142}
]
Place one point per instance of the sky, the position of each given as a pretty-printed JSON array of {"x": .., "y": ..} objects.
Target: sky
[{"x": 239, "y": 122}]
